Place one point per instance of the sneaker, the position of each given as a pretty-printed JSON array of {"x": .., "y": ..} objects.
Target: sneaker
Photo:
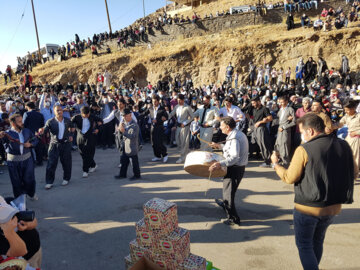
[
  {"x": 85, "y": 174},
  {"x": 156, "y": 159},
  {"x": 65, "y": 183},
  {"x": 140, "y": 147},
  {"x": 34, "y": 198},
  {"x": 74, "y": 147},
  {"x": 231, "y": 222},
  {"x": 165, "y": 159},
  {"x": 91, "y": 170},
  {"x": 48, "y": 186},
  {"x": 179, "y": 161},
  {"x": 264, "y": 165},
  {"x": 119, "y": 166}
]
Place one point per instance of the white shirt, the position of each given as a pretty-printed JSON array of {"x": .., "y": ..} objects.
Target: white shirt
[
  {"x": 61, "y": 129},
  {"x": 234, "y": 111},
  {"x": 111, "y": 116},
  {"x": 178, "y": 112},
  {"x": 85, "y": 125}
]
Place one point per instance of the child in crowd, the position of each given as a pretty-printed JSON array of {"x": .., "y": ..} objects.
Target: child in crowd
[{"x": 194, "y": 129}]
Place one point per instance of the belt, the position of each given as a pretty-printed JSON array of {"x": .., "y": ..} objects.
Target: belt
[
  {"x": 11, "y": 157},
  {"x": 179, "y": 125},
  {"x": 206, "y": 127}
]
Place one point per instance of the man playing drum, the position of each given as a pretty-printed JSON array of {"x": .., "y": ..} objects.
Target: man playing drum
[{"x": 235, "y": 152}]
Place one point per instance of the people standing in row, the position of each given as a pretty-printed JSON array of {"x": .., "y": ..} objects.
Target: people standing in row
[
  {"x": 86, "y": 126},
  {"x": 184, "y": 116},
  {"x": 61, "y": 139}
]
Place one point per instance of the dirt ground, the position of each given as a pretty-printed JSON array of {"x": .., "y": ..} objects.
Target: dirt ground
[{"x": 89, "y": 223}]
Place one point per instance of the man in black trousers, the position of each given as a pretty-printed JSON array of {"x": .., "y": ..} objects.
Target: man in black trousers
[
  {"x": 60, "y": 146},
  {"x": 86, "y": 126},
  {"x": 34, "y": 120},
  {"x": 158, "y": 115},
  {"x": 129, "y": 133}
]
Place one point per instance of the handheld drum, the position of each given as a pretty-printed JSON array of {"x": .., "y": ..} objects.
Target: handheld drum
[{"x": 198, "y": 162}]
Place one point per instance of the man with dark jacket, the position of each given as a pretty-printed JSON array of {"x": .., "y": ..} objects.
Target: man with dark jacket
[
  {"x": 61, "y": 138},
  {"x": 323, "y": 172},
  {"x": 86, "y": 126},
  {"x": 34, "y": 120},
  {"x": 129, "y": 133},
  {"x": 157, "y": 115}
]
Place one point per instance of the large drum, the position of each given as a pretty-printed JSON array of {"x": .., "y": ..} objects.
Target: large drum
[{"x": 198, "y": 163}]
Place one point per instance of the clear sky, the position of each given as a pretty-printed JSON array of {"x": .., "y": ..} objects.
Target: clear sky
[{"x": 59, "y": 20}]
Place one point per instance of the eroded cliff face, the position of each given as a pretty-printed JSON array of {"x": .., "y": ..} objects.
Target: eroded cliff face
[{"x": 204, "y": 55}]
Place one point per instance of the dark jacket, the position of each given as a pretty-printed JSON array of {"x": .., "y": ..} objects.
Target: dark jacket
[
  {"x": 77, "y": 122},
  {"x": 33, "y": 120},
  {"x": 52, "y": 126},
  {"x": 328, "y": 177}
]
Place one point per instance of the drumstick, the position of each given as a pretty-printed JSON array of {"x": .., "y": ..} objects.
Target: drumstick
[
  {"x": 207, "y": 142},
  {"x": 202, "y": 140}
]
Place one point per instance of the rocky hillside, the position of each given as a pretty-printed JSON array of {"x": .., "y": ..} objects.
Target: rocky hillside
[{"x": 204, "y": 53}]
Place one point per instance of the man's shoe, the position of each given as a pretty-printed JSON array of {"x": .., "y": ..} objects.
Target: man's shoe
[
  {"x": 156, "y": 159},
  {"x": 48, "y": 186},
  {"x": 135, "y": 178},
  {"x": 165, "y": 159},
  {"x": 85, "y": 174},
  {"x": 65, "y": 183},
  {"x": 231, "y": 222},
  {"x": 220, "y": 203},
  {"x": 179, "y": 161},
  {"x": 34, "y": 198},
  {"x": 119, "y": 177},
  {"x": 140, "y": 147},
  {"x": 91, "y": 170},
  {"x": 264, "y": 165}
]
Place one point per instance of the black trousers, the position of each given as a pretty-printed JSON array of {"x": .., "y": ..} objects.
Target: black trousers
[
  {"x": 22, "y": 177},
  {"x": 39, "y": 152},
  {"x": 86, "y": 145},
  {"x": 230, "y": 184},
  {"x": 107, "y": 134},
  {"x": 56, "y": 150},
  {"x": 125, "y": 160},
  {"x": 157, "y": 140}
]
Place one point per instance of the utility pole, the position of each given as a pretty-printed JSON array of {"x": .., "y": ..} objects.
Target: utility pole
[
  {"x": 144, "y": 7},
  {"x": 37, "y": 34},
  {"x": 107, "y": 12}
]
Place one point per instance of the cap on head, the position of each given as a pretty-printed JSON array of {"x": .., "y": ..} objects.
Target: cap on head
[{"x": 7, "y": 212}]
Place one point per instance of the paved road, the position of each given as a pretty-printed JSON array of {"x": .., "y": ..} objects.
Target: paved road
[{"x": 88, "y": 224}]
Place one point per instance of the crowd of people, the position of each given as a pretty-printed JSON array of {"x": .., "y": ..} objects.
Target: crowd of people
[
  {"x": 327, "y": 20},
  {"x": 42, "y": 122}
]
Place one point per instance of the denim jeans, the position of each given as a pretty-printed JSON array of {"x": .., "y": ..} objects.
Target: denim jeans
[{"x": 309, "y": 236}]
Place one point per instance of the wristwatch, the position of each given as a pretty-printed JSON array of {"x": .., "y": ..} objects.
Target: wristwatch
[{"x": 274, "y": 164}]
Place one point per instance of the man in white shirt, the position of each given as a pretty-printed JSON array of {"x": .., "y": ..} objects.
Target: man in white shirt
[
  {"x": 184, "y": 116},
  {"x": 87, "y": 127},
  {"x": 233, "y": 111},
  {"x": 235, "y": 149},
  {"x": 60, "y": 146}
]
